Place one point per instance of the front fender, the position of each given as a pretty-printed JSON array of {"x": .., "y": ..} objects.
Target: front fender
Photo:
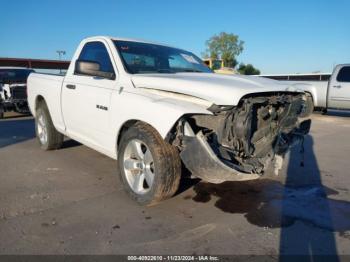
[{"x": 160, "y": 112}]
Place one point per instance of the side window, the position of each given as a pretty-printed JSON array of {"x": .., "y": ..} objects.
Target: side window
[
  {"x": 97, "y": 52},
  {"x": 344, "y": 74}
]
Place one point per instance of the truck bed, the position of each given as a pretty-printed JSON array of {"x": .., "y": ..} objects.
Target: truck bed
[{"x": 48, "y": 86}]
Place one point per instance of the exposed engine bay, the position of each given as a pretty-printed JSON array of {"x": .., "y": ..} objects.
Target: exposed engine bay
[{"x": 246, "y": 141}]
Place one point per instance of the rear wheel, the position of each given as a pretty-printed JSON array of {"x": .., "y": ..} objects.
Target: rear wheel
[
  {"x": 49, "y": 138},
  {"x": 149, "y": 167}
]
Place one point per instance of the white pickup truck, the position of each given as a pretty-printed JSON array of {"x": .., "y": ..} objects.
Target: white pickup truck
[
  {"x": 328, "y": 91},
  {"x": 151, "y": 107}
]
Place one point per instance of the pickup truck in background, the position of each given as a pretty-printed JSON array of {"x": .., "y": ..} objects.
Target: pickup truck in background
[
  {"x": 151, "y": 107},
  {"x": 13, "y": 90},
  {"x": 331, "y": 93}
]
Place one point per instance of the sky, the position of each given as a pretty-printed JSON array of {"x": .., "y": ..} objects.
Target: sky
[{"x": 281, "y": 36}]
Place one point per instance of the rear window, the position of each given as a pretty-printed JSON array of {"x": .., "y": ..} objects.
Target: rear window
[{"x": 344, "y": 74}]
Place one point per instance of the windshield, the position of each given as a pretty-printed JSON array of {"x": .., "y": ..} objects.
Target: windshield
[
  {"x": 143, "y": 58},
  {"x": 8, "y": 76}
]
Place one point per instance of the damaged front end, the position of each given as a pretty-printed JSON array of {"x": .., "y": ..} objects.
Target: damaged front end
[{"x": 243, "y": 142}]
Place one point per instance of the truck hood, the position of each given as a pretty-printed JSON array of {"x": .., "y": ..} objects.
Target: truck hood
[{"x": 215, "y": 88}]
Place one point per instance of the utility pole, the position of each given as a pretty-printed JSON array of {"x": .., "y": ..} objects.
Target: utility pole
[{"x": 60, "y": 53}]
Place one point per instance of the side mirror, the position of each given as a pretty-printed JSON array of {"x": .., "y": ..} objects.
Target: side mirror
[{"x": 91, "y": 69}]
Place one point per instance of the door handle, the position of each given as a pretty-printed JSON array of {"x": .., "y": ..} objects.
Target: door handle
[
  {"x": 70, "y": 86},
  {"x": 337, "y": 86}
]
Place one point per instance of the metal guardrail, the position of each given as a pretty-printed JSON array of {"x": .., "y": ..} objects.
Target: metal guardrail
[
  {"x": 34, "y": 63},
  {"x": 301, "y": 77}
]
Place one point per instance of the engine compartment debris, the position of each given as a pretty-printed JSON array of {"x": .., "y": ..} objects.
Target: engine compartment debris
[{"x": 243, "y": 142}]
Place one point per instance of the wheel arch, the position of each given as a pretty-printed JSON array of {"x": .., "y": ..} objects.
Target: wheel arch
[
  {"x": 160, "y": 114},
  {"x": 311, "y": 90},
  {"x": 310, "y": 93},
  {"x": 131, "y": 122},
  {"x": 39, "y": 99},
  {"x": 124, "y": 127},
  {"x": 314, "y": 102}
]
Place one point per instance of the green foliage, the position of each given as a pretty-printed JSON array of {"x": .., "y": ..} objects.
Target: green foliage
[
  {"x": 248, "y": 69},
  {"x": 226, "y": 47}
]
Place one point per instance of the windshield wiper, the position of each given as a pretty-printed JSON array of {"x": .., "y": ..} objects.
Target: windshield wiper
[
  {"x": 188, "y": 70},
  {"x": 165, "y": 71},
  {"x": 191, "y": 70}
]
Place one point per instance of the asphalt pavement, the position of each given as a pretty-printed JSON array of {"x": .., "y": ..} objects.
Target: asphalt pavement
[{"x": 70, "y": 201}]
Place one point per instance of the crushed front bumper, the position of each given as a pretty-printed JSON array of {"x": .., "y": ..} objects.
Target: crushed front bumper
[{"x": 202, "y": 161}]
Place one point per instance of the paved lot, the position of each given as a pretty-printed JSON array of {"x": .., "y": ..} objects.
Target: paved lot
[{"x": 70, "y": 201}]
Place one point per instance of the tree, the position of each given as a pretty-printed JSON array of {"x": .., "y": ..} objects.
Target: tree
[
  {"x": 226, "y": 47},
  {"x": 248, "y": 69}
]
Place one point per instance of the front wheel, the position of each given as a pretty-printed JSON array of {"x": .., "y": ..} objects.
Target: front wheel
[{"x": 149, "y": 167}]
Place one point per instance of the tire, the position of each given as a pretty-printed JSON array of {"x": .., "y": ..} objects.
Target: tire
[
  {"x": 143, "y": 154},
  {"x": 48, "y": 137},
  {"x": 309, "y": 106}
]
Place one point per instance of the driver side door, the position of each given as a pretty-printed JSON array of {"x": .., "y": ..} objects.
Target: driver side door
[{"x": 86, "y": 98}]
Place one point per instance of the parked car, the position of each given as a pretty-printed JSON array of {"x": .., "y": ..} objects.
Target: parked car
[
  {"x": 151, "y": 106},
  {"x": 13, "y": 90},
  {"x": 327, "y": 91}
]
